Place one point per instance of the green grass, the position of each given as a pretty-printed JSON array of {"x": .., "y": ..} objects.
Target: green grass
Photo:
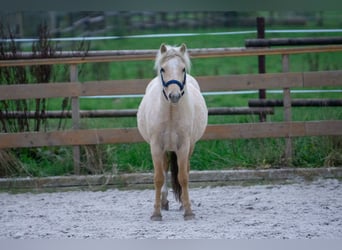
[{"x": 208, "y": 155}]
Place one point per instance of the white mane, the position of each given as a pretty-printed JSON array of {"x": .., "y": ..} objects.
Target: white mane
[{"x": 171, "y": 52}]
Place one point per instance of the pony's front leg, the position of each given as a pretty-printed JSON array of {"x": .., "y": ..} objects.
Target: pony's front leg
[
  {"x": 183, "y": 178},
  {"x": 158, "y": 163}
]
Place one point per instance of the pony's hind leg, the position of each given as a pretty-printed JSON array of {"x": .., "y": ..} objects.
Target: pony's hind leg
[
  {"x": 165, "y": 202},
  {"x": 164, "y": 192}
]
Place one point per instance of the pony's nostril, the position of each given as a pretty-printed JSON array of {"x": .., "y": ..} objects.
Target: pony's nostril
[{"x": 174, "y": 97}]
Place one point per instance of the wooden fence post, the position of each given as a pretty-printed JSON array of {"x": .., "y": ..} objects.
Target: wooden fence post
[
  {"x": 75, "y": 114},
  {"x": 261, "y": 60},
  {"x": 287, "y": 112}
]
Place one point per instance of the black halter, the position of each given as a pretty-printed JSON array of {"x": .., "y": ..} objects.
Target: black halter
[{"x": 173, "y": 81}]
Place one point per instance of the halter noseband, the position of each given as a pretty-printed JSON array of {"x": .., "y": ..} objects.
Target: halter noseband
[{"x": 173, "y": 81}]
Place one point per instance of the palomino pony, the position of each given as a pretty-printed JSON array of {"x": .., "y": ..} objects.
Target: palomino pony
[{"x": 172, "y": 117}]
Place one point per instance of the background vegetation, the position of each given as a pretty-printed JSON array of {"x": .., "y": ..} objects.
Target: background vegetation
[{"x": 223, "y": 154}]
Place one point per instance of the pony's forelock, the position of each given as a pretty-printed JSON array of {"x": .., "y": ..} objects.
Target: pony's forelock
[{"x": 172, "y": 51}]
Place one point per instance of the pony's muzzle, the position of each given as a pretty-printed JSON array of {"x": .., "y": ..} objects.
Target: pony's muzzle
[{"x": 174, "y": 97}]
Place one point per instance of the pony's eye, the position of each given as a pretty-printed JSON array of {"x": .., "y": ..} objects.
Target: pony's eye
[
  {"x": 184, "y": 70},
  {"x": 162, "y": 70}
]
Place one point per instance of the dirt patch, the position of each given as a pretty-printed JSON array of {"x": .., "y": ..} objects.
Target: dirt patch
[{"x": 297, "y": 211}]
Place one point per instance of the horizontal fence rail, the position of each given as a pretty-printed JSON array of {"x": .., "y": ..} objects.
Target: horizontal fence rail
[
  {"x": 260, "y": 42},
  {"x": 296, "y": 103},
  {"x": 132, "y": 135},
  {"x": 207, "y": 83},
  {"x": 26, "y": 59},
  {"x": 127, "y": 113}
]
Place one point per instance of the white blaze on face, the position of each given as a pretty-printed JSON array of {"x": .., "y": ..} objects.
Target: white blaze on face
[{"x": 173, "y": 69}]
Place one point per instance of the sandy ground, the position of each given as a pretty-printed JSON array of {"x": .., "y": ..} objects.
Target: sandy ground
[{"x": 300, "y": 210}]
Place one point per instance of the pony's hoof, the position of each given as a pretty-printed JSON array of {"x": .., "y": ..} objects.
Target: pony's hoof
[
  {"x": 156, "y": 217},
  {"x": 189, "y": 216},
  {"x": 165, "y": 206}
]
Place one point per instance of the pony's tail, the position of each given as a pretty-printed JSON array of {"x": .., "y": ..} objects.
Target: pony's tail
[{"x": 177, "y": 189}]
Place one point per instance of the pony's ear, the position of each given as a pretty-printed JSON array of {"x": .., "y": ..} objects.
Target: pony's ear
[
  {"x": 183, "y": 48},
  {"x": 163, "y": 48}
]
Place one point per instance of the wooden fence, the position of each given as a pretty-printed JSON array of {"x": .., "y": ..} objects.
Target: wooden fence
[{"x": 74, "y": 89}]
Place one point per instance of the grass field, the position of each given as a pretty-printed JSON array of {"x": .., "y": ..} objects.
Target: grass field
[{"x": 223, "y": 154}]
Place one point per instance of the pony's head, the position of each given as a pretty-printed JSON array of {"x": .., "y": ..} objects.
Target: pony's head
[{"x": 172, "y": 65}]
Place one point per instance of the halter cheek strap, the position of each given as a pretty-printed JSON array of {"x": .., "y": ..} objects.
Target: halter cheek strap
[{"x": 173, "y": 81}]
